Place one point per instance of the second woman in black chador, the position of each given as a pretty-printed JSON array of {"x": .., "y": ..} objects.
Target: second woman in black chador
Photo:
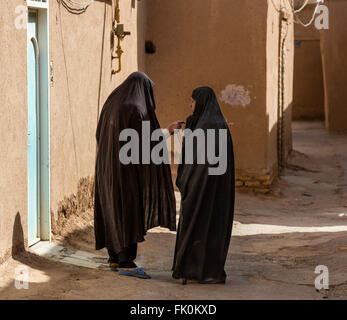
[{"x": 207, "y": 207}]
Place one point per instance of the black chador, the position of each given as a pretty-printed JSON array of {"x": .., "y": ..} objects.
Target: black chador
[
  {"x": 129, "y": 198},
  {"x": 207, "y": 207}
]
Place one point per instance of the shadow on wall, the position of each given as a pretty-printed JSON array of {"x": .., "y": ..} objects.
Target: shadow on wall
[
  {"x": 141, "y": 34},
  {"x": 18, "y": 245},
  {"x": 281, "y": 140},
  {"x": 79, "y": 11}
]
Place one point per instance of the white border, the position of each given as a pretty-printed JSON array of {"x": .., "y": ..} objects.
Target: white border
[
  {"x": 43, "y": 33},
  {"x": 37, "y": 4}
]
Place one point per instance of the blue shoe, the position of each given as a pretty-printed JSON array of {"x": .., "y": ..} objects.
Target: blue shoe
[{"x": 137, "y": 273}]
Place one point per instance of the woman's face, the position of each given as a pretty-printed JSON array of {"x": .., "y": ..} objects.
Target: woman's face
[{"x": 192, "y": 104}]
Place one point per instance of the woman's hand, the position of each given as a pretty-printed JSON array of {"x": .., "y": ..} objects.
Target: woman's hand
[{"x": 175, "y": 126}]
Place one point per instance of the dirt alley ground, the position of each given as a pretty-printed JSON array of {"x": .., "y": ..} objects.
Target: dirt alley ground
[{"x": 260, "y": 265}]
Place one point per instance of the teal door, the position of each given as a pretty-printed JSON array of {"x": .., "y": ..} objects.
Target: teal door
[{"x": 33, "y": 130}]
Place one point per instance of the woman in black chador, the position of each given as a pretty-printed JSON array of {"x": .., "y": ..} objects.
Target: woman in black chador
[
  {"x": 207, "y": 207},
  {"x": 129, "y": 199}
]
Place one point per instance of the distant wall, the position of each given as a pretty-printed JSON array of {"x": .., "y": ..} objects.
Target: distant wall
[
  {"x": 308, "y": 73},
  {"x": 333, "y": 46},
  {"x": 334, "y": 53},
  {"x": 308, "y": 81}
]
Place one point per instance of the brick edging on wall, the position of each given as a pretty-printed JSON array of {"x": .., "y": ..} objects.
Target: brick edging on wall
[{"x": 256, "y": 183}]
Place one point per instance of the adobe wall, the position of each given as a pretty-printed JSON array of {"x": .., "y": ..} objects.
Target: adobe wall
[
  {"x": 334, "y": 52},
  {"x": 222, "y": 44},
  {"x": 279, "y": 90},
  {"x": 81, "y": 52},
  {"x": 13, "y": 121},
  {"x": 80, "y": 49}
]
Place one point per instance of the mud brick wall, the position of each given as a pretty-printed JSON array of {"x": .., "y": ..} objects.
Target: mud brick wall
[
  {"x": 74, "y": 205},
  {"x": 256, "y": 183}
]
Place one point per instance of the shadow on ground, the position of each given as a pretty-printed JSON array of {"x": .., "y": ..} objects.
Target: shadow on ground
[{"x": 258, "y": 267}]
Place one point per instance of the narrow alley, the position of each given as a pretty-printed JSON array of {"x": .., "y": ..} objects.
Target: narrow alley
[{"x": 278, "y": 240}]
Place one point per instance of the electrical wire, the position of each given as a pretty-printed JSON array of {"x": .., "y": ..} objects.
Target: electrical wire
[
  {"x": 80, "y": 5},
  {"x": 302, "y": 7},
  {"x": 297, "y": 19},
  {"x": 76, "y": 7},
  {"x": 281, "y": 99}
]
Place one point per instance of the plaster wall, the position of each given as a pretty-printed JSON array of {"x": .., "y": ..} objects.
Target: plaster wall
[
  {"x": 80, "y": 51},
  {"x": 13, "y": 123},
  {"x": 334, "y": 51}
]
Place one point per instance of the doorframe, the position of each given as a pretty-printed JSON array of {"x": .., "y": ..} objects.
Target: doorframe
[
  {"x": 32, "y": 40},
  {"x": 42, "y": 9}
]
